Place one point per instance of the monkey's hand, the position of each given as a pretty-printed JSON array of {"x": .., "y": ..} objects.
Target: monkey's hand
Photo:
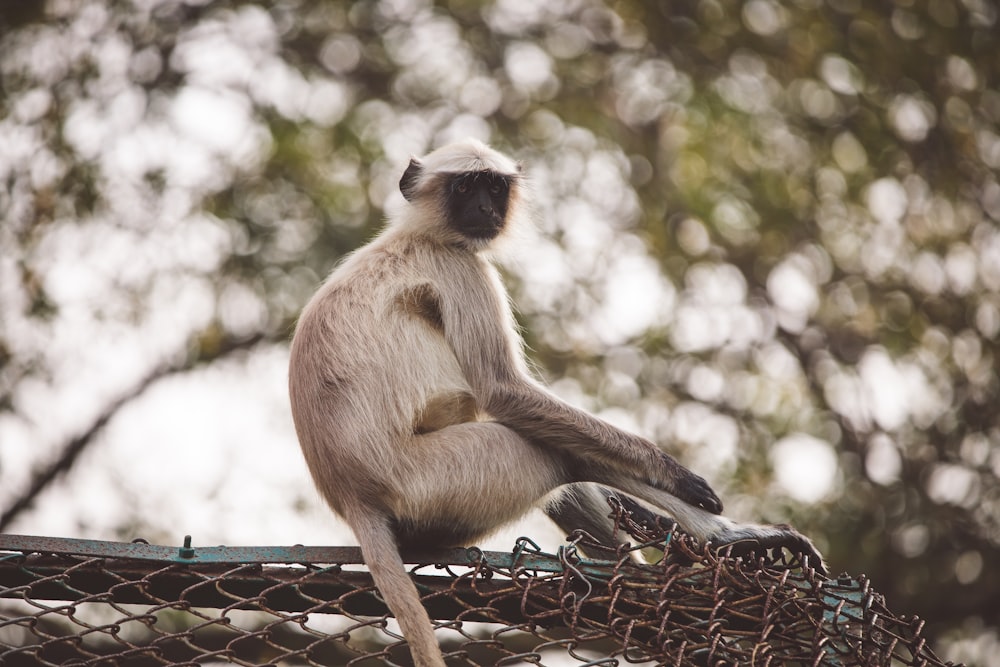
[
  {"x": 687, "y": 486},
  {"x": 745, "y": 539}
]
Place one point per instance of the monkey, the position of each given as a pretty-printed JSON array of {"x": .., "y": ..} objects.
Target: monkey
[{"x": 417, "y": 414}]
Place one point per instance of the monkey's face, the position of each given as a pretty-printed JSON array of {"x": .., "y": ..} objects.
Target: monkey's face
[{"x": 476, "y": 203}]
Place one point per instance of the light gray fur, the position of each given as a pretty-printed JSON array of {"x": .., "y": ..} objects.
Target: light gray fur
[{"x": 419, "y": 420}]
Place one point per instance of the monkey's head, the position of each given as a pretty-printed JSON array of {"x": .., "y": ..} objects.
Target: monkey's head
[{"x": 469, "y": 187}]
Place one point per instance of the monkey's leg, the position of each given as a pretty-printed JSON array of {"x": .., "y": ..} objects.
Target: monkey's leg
[
  {"x": 720, "y": 531},
  {"x": 461, "y": 482},
  {"x": 584, "y": 506}
]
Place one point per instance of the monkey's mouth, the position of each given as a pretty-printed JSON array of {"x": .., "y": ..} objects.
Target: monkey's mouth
[
  {"x": 487, "y": 226},
  {"x": 484, "y": 231}
]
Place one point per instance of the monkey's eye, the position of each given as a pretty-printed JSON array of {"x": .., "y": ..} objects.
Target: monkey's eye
[
  {"x": 462, "y": 187},
  {"x": 498, "y": 187}
]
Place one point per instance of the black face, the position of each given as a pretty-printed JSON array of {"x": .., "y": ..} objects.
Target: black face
[{"x": 477, "y": 203}]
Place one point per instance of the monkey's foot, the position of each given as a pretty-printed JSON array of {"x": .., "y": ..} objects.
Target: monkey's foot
[{"x": 744, "y": 540}]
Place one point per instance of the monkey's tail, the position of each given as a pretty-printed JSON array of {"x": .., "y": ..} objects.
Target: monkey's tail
[{"x": 381, "y": 553}]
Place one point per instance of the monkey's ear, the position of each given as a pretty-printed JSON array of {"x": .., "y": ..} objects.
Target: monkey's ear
[{"x": 408, "y": 183}]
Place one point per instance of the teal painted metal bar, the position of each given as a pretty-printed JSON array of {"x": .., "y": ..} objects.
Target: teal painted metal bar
[
  {"x": 526, "y": 554},
  {"x": 187, "y": 553}
]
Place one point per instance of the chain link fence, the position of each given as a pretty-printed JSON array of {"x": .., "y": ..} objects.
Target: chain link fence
[{"x": 80, "y": 602}]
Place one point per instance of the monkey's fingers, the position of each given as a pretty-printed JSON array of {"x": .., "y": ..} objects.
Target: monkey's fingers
[
  {"x": 670, "y": 476},
  {"x": 694, "y": 490}
]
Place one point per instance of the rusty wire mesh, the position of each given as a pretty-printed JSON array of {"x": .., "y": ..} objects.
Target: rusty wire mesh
[{"x": 62, "y": 604}]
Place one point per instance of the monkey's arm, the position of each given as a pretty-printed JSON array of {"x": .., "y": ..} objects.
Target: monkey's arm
[{"x": 478, "y": 326}]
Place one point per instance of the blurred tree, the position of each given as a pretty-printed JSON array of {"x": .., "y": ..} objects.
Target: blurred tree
[{"x": 768, "y": 232}]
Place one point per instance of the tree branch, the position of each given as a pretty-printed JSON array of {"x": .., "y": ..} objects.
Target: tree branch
[{"x": 45, "y": 475}]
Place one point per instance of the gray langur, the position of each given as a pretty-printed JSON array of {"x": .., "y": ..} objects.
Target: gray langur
[{"x": 417, "y": 415}]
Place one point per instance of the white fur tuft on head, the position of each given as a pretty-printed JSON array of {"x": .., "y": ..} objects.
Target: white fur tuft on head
[{"x": 465, "y": 156}]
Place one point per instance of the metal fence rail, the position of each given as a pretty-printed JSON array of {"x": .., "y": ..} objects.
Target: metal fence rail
[{"x": 81, "y": 602}]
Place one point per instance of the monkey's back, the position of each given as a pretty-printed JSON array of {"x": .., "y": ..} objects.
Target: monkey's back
[{"x": 370, "y": 368}]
